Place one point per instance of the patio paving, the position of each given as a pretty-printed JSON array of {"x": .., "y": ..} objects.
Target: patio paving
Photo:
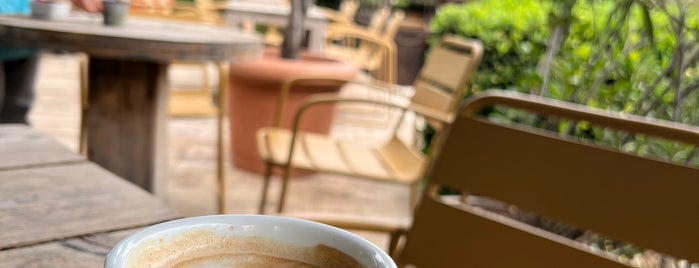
[{"x": 191, "y": 162}]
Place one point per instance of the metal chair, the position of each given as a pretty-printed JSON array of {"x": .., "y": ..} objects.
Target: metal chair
[
  {"x": 370, "y": 48},
  {"x": 439, "y": 87},
  {"x": 561, "y": 178},
  {"x": 344, "y": 15},
  {"x": 553, "y": 176}
]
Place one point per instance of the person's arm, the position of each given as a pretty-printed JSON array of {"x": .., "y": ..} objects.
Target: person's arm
[{"x": 89, "y": 5}]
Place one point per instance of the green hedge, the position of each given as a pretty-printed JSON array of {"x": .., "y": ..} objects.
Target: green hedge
[
  {"x": 635, "y": 56},
  {"x": 513, "y": 33},
  {"x": 617, "y": 54}
]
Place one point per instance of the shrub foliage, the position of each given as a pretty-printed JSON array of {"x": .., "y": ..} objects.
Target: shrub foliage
[{"x": 632, "y": 56}]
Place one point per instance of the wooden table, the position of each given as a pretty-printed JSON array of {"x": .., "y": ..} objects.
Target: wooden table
[
  {"x": 127, "y": 115},
  {"x": 59, "y": 210},
  {"x": 261, "y": 12}
]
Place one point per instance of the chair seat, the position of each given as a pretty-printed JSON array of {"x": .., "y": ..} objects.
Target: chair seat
[{"x": 392, "y": 161}]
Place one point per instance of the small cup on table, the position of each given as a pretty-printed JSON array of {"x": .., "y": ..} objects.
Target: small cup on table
[{"x": 115, "y": 12}]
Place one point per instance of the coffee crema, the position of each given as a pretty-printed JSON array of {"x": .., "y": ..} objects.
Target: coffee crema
[{"x": 203, "y": 248}]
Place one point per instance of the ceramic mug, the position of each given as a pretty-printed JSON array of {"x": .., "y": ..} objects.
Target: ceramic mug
[
  {"x": 223, "y": 240},
  {"x": 114, "y": 12}
]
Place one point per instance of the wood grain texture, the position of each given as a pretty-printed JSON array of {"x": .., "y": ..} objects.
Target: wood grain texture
[
  {"x": 124, "y": 115},
  {"x": 21, "y": 146},
  {"x": 140, "y": 38},
  {"x": 84, "y": 251},
  {"x": 53, "y": 203}
]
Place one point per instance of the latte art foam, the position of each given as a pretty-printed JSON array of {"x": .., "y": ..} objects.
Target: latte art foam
[{"x": 203, "y": 248}]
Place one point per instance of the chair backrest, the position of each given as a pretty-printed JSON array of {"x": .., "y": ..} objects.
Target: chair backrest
[
  {"x": 151, "y": 6},
  {"x": 347, "y": 11},
  {"x": 648, "y": 202},
  {"x": 344, "y": 15},
  {"x": 393, "y": 24},
  {"x": 444, "y": 77},
  {"x": 200, "y": 11},
  {"x": 371, "y": 48},
  {"x": 380, "y": 57},
  {"x": 377, "y": 22}
]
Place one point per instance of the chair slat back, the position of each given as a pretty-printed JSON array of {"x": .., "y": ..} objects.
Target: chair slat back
[
  {"x": 393, "y": 24},
  {"x": 445, "y": 74},
  {"x": 429, "y": 95},
  {"x": 200, "y": 11},
  {"x": 348, "y": 9},
  {"x": 378, "y": 20},
  {"x": 151, "y": 6},
  {"x": 576, "y": 183},
  {"x": 448, "y": 236}
]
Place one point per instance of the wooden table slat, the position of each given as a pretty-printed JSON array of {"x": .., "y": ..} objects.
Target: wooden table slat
[
  {"x": 50, "y": 203},
  {"x": 88, "y": 251},
  {"x": 22, "y": 147},
  {"x": 140, "y": 38},
  {"x": 127, "y": 83}
]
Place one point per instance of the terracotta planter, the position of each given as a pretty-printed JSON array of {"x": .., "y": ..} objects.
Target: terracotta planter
[{"x": 254, "y": 89}]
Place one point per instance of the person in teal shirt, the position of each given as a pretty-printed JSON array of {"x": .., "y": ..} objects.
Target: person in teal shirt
[
  {"x": 18, "y": 66},
  {"x": 14, "y": 6}
]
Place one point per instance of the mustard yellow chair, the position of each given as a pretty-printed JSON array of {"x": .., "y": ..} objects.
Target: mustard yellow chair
[
  {"x": 378, "y": 20},
  {"x": 201, "y": 11},
  {"x": 371, "y": 49},
  {"x": 344, "y": 15},
  {"x": 565, "y": 179},
  {"x": 562, "y": 178},
  {"x": 439, "y": 87}
]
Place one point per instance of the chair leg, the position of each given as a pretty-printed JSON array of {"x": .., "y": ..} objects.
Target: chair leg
[
  {"x": 82, "y": 136},
  {"x": 220, "y": 113},
  {"x": 265, "y": 188},
  {"x": 393, "y": 243},
  {"x": 82, "y": 139},
  {"x": 414, "y": 195},
  {"x": 285, "y": 185}
]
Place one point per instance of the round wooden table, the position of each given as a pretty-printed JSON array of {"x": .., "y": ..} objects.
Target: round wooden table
[{"x": 128, "y": 91}]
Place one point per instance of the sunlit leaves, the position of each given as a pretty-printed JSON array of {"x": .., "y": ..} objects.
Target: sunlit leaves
[{"x": 514, "y": 37}]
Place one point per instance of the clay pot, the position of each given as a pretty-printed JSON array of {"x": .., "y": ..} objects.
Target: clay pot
[{"x": 254, "y": 90}]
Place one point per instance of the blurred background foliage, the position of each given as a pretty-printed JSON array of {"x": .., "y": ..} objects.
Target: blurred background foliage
[
  {"x": 633, "y": 56},
  {"x": 513, "y": 33}
]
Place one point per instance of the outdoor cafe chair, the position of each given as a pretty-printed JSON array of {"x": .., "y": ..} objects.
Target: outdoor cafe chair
[
  {"x": 371, "y": 48},
  {"x": 438, "y": 89},
  {"x": 344, "y": 15},
  {"x": 573, "y": 181}
]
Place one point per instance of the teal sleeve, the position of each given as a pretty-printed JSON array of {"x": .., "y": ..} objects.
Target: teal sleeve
[
  {"x": 12, "y": 53},
  {"x": 15, "y": 7}
]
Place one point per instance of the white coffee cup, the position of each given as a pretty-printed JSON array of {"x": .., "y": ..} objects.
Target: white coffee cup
[{"x": 289, "y": 231}]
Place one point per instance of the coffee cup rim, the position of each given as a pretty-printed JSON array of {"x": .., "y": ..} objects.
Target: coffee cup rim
[{"x": 357, "y": 247}]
